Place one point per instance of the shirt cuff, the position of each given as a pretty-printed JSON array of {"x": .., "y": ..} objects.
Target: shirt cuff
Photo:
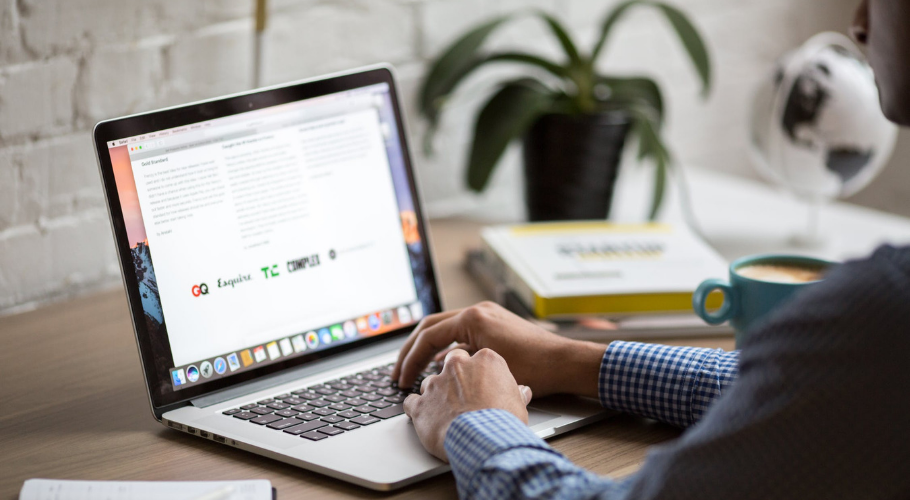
[{"x": 476, "y": 436}]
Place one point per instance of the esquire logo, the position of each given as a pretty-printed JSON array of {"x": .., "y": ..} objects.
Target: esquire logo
[
  {"x": 200, "y": 289},
  {"x": 233, "y": 281}
]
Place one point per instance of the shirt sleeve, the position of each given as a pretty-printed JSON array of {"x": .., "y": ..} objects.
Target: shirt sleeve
[
  {"x": 494, "y": 455},
  {"x": 672, "y": 384}
]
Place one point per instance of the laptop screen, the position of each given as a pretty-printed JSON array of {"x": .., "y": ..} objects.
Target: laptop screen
[{"x": 272, "y": 234}]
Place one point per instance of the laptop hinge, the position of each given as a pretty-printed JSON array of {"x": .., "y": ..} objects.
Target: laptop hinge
[{"x": 313, "y": 368}]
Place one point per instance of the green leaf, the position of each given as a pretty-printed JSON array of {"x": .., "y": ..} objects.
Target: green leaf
[
  {"x": 608, "y": 24},
  {"x": 651, "y": 146},
  {"x": 564, "y": 38},
  {"x": 692, "y": 42},
  {"x": 505, "y": 117},
  {"x": 641, "y": 91},
  {"x": 452, "y": 66}
]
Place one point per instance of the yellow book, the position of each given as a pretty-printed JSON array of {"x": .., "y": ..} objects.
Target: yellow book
[{"x": 568, "y": 269}]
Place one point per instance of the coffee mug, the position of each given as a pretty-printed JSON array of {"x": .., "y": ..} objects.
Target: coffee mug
[{"x": 747, "y": 300}]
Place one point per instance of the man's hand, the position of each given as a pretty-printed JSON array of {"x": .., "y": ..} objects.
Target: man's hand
[
  {"x": 465, "y": 384},
  {"x": 545, "y": 362}
]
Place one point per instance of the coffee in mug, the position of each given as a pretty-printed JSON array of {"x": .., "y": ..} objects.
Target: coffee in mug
[
  {"x": 757, "y": 285},
  {"x": 781, "y": 273}
]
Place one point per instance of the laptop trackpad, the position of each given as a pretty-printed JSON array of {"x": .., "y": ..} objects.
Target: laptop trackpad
[{"x": 536, "y": 416}]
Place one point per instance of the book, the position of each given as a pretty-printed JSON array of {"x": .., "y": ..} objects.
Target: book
[
  {"x": 572, "y": 269},
  {"x": 599, "y": 328},
  {"x": 58, "y": 489}
]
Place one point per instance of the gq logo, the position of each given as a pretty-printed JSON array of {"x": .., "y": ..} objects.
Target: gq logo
[{"x": 200, "y": 289}]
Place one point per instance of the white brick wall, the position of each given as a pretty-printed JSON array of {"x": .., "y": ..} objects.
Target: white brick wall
[{"x": 64, "y": 64}]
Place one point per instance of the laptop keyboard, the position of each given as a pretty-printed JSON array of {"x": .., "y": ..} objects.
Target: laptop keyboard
[{"x": 332, "y": 408}]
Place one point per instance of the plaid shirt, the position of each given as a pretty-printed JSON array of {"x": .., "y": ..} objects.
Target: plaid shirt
[
  {"x": 820, "y": 407},
  {"x": 672, "y": 384}
]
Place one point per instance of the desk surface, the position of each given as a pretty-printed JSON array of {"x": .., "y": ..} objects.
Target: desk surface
[{"x": 74, "y": 405}]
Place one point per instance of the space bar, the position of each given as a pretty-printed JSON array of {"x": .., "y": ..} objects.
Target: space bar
[{"x": 389, "y": 412}]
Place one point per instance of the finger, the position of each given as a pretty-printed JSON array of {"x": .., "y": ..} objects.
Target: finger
[
  {"x": 410, "y": 404},
  {"x": 526, "y": 394},
  {"x": 427, "y": 344},
  {"x": 456, "y": 353},
  {"x": 426, "y": 323},
  {"x": 423, "y": 385},
  {"x": 442, "y": 354}
]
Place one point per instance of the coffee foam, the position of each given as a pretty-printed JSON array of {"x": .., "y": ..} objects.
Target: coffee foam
[{"x": 781, "y": 273}]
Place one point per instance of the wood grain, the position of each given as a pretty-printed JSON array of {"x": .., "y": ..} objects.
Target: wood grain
[{"x": 74, "y": 405}]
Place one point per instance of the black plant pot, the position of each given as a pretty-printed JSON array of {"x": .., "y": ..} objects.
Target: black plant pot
[{"x": 571, "y": 162}]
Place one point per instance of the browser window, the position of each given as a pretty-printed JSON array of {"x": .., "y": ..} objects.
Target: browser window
[{"x": 269, "y": 234}]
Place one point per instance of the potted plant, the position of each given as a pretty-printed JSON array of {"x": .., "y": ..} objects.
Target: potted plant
[{"x": 573, "y": 119}]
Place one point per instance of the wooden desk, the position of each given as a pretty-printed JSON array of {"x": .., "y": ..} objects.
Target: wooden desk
[{"x": 74, "y": 405}]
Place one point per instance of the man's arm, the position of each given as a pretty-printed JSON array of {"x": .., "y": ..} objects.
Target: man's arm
[{"x": 672, "y": 384}]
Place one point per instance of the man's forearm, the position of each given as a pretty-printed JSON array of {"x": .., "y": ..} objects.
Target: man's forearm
[
  {"x": 672, "y": 384},
  {"x": 579, "y": 367}
]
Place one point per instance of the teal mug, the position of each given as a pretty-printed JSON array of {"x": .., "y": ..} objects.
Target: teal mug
[{"x": 748, "y": 299}]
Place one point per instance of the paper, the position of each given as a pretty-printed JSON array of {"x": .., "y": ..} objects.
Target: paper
[{"x": 54, "y": 489}]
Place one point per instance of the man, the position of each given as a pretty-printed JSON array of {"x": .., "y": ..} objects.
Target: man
[{"x": 820, "y": 407}]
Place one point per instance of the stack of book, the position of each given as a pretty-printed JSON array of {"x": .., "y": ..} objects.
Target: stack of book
[{"x": 598, "y": 280}]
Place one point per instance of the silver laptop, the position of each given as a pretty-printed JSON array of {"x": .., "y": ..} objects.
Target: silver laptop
[{"x": 275, "y": 257}]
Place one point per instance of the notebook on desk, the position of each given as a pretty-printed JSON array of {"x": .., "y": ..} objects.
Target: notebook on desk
[{"x": 57, "y": 489}]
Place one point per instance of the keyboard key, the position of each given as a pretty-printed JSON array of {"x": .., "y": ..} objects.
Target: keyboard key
[
  {"x": 249, "y": 406},
  {"x": 318, "y": 403},
  {"x": 266, "y": 401},
  {"x": 349, "y": 414},
  {"x": 292, "y": 413},
  {"x": 372, "y": 376},
  {"x": 332, "y": 419},
  {"x": 370, "y": 397},
  {"x": 325, "y": 390},
  {"x": 314, "y": 436},
  {"x": 308, "y": 395},
  {"x": 346, "y": 425},
  {"x": 339, "y": 406},
  {"x": 278, "y": 406},
  {"x": 294, "y": 401},
  {"x": 365, "y": 409},
  {"x": 365, "y": 388},
  {"x": 282, "y": 396},
  {"x": 307, "y": 416},
  {"x": 231, "y": 411},
  {"x": 262, "y": 410},
  {"x": 266, "y": 419},
  {"x": 389, "y": 391},
  {"x": 303, "y": 408},
  {"x": 323, "y": 412},
  {"x": 389, "y": 412},
  {"x": 377, "y": 404},
  {"x": 355, "y": 402},
  {"x": 283, "y": 424},
  {"x": 395, "y": 399},
  {"x": 335, "y": 398},
  {"x": 300, "y": 391},
  {"x": 350, "y": 393},
  {"x": 382, "y": 384},
  {"x": 331, "y": 431},
  {"x": 307, "y": 427},
  {"x": 245, "y": 415},
  {"x": 341, "y": 386},
  {"x": 365, "y": 420}
]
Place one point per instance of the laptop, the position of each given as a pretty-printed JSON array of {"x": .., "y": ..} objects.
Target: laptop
[{"x": 275, "y": 257}]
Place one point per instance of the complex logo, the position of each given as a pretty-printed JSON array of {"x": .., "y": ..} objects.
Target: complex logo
[
  {"x": 200, "y": 289},
  {"x": 303, "y": 263}
]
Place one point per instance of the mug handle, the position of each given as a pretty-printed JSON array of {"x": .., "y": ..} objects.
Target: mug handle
[{"x": 700, "y": 299}]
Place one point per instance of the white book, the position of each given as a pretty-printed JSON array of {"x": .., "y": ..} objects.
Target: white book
[
  {"x": 595, "y": 268},
  {"x": 58, "y": 489}
]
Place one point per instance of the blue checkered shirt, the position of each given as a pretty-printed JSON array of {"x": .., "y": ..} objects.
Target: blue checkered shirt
[{"x": 820, "y": 407}]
